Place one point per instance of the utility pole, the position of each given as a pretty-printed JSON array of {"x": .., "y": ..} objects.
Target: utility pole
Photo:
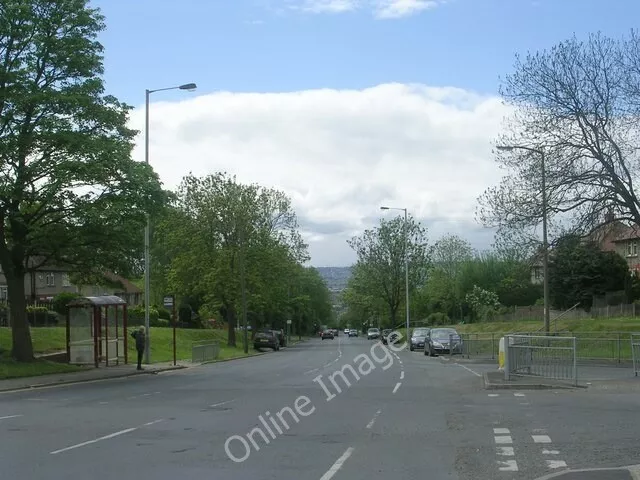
[{"x": 243, "y": 288}]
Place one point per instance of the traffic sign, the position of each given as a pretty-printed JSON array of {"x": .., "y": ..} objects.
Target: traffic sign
[
  {"x": 168, "y": 301},
  {"x": 288, "y": 322}
]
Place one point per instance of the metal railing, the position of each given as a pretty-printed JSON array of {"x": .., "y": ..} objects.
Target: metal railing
[
  {"x": 541, "y": 356},
  {"x": 480, "y": 345},
  {"x": 635, "y": 352},
  {"x": 205, "y": 351}
]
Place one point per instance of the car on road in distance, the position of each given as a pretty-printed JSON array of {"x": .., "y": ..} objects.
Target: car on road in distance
[
  {"x": 373, "y": 334},
  {"x": 346, "y": 331},
  {"x": 442, "y": 340},
  {"x": 353, "y": 332},
  {"x": 266, "y": 339},
  {"x": 327, "y": 334},
  {"x": 418, "y": 337}
]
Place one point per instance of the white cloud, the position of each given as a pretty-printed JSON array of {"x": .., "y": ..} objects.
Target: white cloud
[
  {"x": 340, "y": 154},
  {"x": 383, "y": 9}
]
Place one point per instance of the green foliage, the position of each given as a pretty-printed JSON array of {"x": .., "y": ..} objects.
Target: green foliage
[
  {"x": 438, "y": 318},
  {"x": 135, "y": 316},
  {"x": 41, "y": 316},
  {"x": 71, "y": 193},
  {"x": 484, "y": 303},
  {"x": 61, "y": 300},
  {"x": 580, "y": 270}
]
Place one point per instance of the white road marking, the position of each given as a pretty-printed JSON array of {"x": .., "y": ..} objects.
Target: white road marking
[
  {"x": 506, "y": 451},
  {"x": 10, "y": 416},
  {"x": 541, "y": 438},
  {"x": 518, "y": 394},
  {"x": 525, "y": 403},
  {"x": 221, "y": 403},
  {"x": 550, "y": 452},
  {"x": 469, "y": 370},
  {"x": 338, "y": 465},
  {"x": 106, "y": 437},
  {"x": 501, "y": 431},
  {"x": 395, "y": 389},
  {"x": 508, "y": 466},
  {"x": 373, "y": 420},
  {"x": 311, "y": 371},
  {"x": 556, "y": 464},
  {"x": 103, "y": 403},
  {"x": 494, "y": 394},
  {"x": 503, "y": 439},
  {"x": 402, "y": 375}
]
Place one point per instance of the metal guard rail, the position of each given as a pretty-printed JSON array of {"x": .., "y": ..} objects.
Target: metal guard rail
[{"x": 204, "y": 351}]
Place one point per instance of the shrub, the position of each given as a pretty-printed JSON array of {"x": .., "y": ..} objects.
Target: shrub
[
  {"x": 163, "y": 313},
  {"x": 41, "y": 316},
  {"x": 161, "y": 322},
  {"x": 60, "y": 301},
  {"x": 135, "y": 315},
  {"x": 438, "y": 318}
]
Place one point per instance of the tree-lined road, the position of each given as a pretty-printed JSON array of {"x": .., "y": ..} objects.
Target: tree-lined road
[{"x": 420, "y": 418}]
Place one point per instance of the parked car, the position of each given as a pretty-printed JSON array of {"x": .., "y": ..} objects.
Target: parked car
[
  {"x": 353, "y": 332},
  {"x": 327, "y": 334},
  {"x": 373, "y": 334},
  {"x": 384, "y": 335},
  {"x": 346, "y": 331},
  {"x": 442, "y": 340},
  {"x": 266, "y": 339},
  {"x": 418, "y": 338}
]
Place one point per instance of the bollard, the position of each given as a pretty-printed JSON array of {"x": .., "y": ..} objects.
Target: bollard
[{"x": 501, "y": 355}]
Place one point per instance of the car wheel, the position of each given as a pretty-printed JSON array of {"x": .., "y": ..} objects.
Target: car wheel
[
  {"x": 426, "y": 352},
  {"x": 431, "y": 352},
  {"x": 411, "y": 348}
]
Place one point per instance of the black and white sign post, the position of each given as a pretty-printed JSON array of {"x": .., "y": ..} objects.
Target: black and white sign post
[
  {"x": 288, "y": 332},
  {"x": 169, "y": 302}
]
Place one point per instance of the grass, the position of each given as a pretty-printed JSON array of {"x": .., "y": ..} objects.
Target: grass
[
  {"x": 9, "y": 368},
  {"x": 577, "y": 326}
]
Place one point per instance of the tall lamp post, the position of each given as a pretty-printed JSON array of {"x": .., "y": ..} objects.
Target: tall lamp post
[
  {"x": 406, "y": 261},
  {"x": 147, "y": 231},
  {"x": 545, "y": 242}
]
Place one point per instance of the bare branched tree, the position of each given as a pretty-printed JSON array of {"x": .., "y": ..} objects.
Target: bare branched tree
[{"x": 578, "y": 104}]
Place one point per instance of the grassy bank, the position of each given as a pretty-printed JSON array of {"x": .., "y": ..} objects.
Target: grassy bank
[
  {"x": 53, "y": 339},
  {"x": 586, "y": 325}
]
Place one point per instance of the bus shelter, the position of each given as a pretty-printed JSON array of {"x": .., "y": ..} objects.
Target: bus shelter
[{"x": 97, "y": 331}]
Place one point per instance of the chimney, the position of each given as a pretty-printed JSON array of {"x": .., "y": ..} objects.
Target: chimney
[{"x": 609, "y": 216}]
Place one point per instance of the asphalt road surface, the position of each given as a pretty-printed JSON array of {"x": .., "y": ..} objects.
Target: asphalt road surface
[{"x": 406, "y": 416}]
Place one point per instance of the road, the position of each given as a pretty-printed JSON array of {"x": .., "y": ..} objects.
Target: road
[{"x": 406, "y": 416}]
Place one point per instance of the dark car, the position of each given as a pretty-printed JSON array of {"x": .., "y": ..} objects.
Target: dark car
[
  {"x": 353, "y": 332},
  {"x": 418, "y": 338},
  {"x": 385, "y": 334},
  {"x": 442, "y": 340},
  {"x": 281, "y": 337},
  {"x": 266, "y": 339},
  {"x": 327, "y": 334}
]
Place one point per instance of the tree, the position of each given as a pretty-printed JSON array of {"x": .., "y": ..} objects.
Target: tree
[
  {"x": 381, "y": 261},
  {"x": 449, "y": 253},
  {"x": 70, "y": 194},
  {"x": 580, "y": 270},
  {"x": 578, "y": 104}
]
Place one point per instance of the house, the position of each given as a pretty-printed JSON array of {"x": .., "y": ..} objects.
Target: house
[
  {"x": 611, "y": 236},
  {"x": 48, "y": 281}
]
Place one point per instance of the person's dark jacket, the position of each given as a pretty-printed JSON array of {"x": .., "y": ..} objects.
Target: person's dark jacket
[{"x": 139, "y": 336}]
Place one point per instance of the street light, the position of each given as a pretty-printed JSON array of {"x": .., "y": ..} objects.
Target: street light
[
  {"x": 545, "y": 243},
  {"x": 147, "y": 241},
  {"x": 406, "y": 261}
]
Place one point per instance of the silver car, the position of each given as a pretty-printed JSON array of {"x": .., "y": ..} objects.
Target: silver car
[{"x": 442, "y": 340}]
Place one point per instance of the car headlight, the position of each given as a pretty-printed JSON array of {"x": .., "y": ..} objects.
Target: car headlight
[{"x": 437, "y": 344}]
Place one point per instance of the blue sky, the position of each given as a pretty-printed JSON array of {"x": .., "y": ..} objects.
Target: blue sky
[{"x": 264, "y": 45}]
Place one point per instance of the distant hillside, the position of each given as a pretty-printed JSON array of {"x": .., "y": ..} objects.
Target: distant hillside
[{"x": 335, "y": 277}]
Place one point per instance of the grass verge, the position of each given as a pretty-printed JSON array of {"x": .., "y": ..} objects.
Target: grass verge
[{"x": 9, "y": 368}]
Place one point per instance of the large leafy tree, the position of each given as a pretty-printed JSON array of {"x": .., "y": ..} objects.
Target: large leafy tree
[
  {"x": 577, "y": 104},
  {"x": 380, "y": 268},
  {"x": 69, "y": 190}
]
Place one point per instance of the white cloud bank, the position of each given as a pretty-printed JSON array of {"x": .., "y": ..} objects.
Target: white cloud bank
[
  {"x": 382, "y": 9},
  {"x": 340, "y": 154}
]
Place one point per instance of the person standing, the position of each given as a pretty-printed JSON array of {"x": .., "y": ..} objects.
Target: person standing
[{"x": 141, "y": 340}]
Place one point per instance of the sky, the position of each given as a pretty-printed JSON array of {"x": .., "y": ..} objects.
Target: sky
[{"x": 345, "y": 105}]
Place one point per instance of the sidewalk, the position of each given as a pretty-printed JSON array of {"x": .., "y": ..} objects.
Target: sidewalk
[{"x": 88, "y": 375}]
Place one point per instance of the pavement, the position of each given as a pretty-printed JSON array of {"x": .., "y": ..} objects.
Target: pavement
[{"x": 281, "y": 416}]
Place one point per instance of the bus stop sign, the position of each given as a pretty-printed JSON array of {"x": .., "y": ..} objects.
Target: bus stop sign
[{"x": 168, "y": 301}]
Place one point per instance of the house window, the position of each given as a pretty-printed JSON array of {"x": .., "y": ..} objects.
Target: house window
[
  {"x": 537, "y": 273},
  {"x": 3, "y": 294},
  {"x": 635, "y": 248},
  {"x": 65, "y": 280},
  {"x": 50, "y": 279}
]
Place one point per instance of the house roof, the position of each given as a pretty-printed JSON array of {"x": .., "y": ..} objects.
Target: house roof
[{"x": 630, "y": 233}]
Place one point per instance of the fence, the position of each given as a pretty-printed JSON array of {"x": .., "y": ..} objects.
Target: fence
[
  {"x": 204, "y": 351},
  {"x": 635, "y": 352},
  {"x": 537, "y": 312},
  {"x": 600, "y": 347},
  {"x": 542, "y": 356}
]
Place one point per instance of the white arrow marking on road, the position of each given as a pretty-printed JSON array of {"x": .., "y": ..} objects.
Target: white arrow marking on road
[
  {"x": 508, "y": 466},
  {"x": 338, "y": 465},
  {"x": 10, "y": 416}
]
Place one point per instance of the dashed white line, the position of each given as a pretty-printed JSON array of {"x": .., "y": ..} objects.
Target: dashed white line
[
  {"x": 494, "y": 394},
  {"x": 508, "y": 466},
  {"x": 338, "y": 465},
  {"x": 541, "y": 438},
  {"x": 402, "y": 375},
  {"x": 395, "y": 389},
  {"x": 503, "y": 439},
  {"x": 221, "y": 403},
  {"x": 550, "y": 452},
  {"x": 506, "y": 451},
  {"x": 373, "y": 420},
  {"x": 311, "y": 371},
  {"x": 518, "y": 394},
  {"x": 10, "y": 416},
  {"x": 556, "y": 464},
  {"x": 501, "y": 431},
  {"x": 469, "y": 370}
]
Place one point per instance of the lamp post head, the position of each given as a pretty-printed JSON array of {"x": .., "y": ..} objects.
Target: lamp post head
[
  {"x": 505, "y": 148},
  {"x": 384, "y": 208},
  {"x": 188, "y": 86}
]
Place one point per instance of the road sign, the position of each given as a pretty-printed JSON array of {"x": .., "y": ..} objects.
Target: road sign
[
  {"x": 288, "y": 322},
  {"x": 168, "y": 301}
]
